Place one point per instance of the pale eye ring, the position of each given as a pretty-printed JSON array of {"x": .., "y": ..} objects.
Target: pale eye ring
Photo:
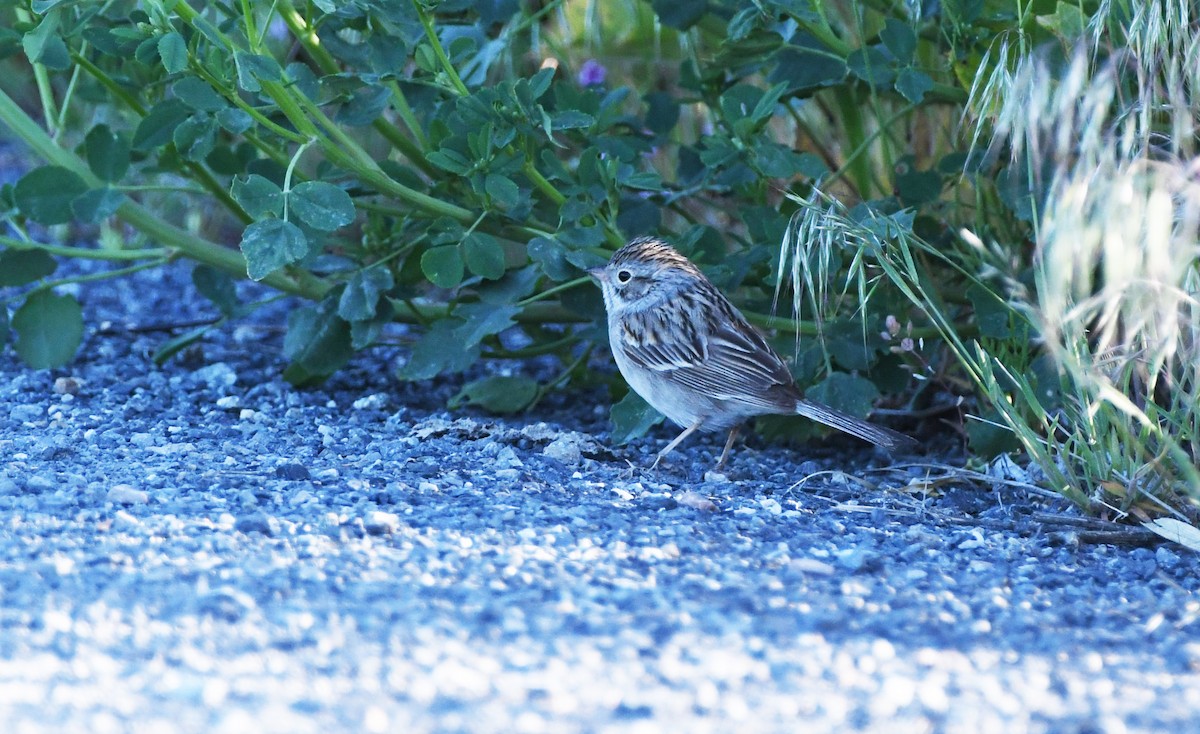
[{"x": 624, "y": 276}]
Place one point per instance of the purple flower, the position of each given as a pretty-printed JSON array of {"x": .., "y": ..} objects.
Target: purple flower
[{"x": 592, "y": 73}]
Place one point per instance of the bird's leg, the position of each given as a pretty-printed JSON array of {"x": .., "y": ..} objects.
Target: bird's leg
[
  {"x": 671, "y": 446},
  {"x": 733, "y": 434}
]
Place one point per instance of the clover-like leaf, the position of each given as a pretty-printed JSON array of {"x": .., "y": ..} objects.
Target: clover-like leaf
[
  {"x": 271, "y": 244},
  {"x": 503, "y": 192},
  {"x": 21, "y": 267},
  {"x": 218, "y": 287},
  {"x": 361, "y": 297},
  {"x": 443, "y": 266},
  {"x": 484, "y": 255},
  {"x": 253, "y": 68},
  {"x": 45, "y": 194},
  {"x": 107, "y": 153},
  {"x": 197, "y": 94},
  {"x": 632, "y": 418},
  {"x": 899, "y": 38},
  {"x": 551, "y": 257},
  {"x": 97, "y": 205},
  {"x": 49, "y": 329},
  {"x": 44, "y": 44},
  {"x": 845, "y": 392},
  {"x": 913, "y": 85},
  {"x": 173, "y": 51},
  {"x": 317, "y": 343},
  {"x": 681, "y": 14},
  {"x": 321, "y": 205},
  {"x": 258, "y": 195},
  {"x": 806, "y": 63},
  {"x": 157, "y": 127},
  {"x": 196, "y": 136},
  {"x": 498, "y": 393},
  {"x": 439, "y": 351}
]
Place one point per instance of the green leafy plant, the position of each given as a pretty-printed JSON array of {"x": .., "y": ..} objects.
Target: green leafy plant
[{"x": 456, "y": 166}]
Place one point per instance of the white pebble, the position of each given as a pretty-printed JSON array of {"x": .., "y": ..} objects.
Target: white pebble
[
  {"x": 377, "y": 401},
  {"x": 124, "y": 494}
]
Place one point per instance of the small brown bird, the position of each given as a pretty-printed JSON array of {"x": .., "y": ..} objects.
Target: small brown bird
[{"x": 692, "y": 355}]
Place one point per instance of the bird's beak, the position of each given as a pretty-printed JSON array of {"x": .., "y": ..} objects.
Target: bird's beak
[{"x": 598, "y": 274}]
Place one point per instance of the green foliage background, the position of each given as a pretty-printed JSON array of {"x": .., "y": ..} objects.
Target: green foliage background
[{"x": 457, "y": 165}]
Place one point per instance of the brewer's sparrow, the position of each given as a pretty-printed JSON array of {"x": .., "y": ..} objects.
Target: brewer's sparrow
[{"x": 692, "y": 355}]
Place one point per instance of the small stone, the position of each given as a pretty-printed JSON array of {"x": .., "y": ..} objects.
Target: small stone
[
  {"x": 218, "y": 376},
  {"x": 1166, "y": 558},
  {"x": 564, "y": 449},
  {"x": 715, "y": 477},
  {"x": 427, "y": 487},
  {"x": 808, "y": 467},
  {"x": 227, "y": 603},
  {"x": 257, "y": 523},
  {"x": 506, "y": 458},
  {"x": 141, "y": 439},
  {"x": 25, "y": 413},
  {"x": 658, "y": 502},
  {"x": 292, "y": 472},
  {"x": 38, "y": 483},
  {"x": 377, "y": 401},
  {"x": 229, "y": 402},
  {"x": 812, "y": 566},
  {"x": 1142, "y": 562},
  {"x": 124, "y": 494},
  {"x": 696, "y": 501},
  {"x": 771, "y": 505},
  {"x": 510, "y": 475},
  {"x": 67, "y": 385},
  {"x": 381, "y": 523},
  {"x": 858, "y": 559}
]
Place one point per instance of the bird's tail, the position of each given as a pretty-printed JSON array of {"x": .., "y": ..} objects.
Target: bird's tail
[{"x": 878, "y": 435}]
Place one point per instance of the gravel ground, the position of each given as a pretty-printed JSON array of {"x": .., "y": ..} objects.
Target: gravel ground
[{"x": 200, "y": 547}]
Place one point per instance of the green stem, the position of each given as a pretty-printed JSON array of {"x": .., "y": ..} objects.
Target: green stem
[
  {"x": 535, "y": 350},
  {"x": 307, "y": 36},
  {"x": 198, "y": 171},
  {"x": 347, "y": 153},
  {"x": 852, "y": 160},
  {"x": 560, "y": 378},
  {"x": 252, "y": 36},
  {"x": 569, "y": 285},
  {"x": 104, "y": 275},
  {"x": 822, "y": 30},
  {"x": 42, "y": 80},
  {"x": 287, "y": 176},
  {"x": 857, "y": 166},
  {"x": 548, "y": 190},
  {"x": 438, "y": 51},
  {"x": 233, "y": 97},
  {"x": 142, "y": 219},
  {"x": 84, "y": 253},
  {"x": 66, "y": 103},
  {"x": 109, "y": 84}
]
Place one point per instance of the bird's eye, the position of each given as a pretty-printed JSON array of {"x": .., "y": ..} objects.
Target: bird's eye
[{"x": 624, "y": 276}]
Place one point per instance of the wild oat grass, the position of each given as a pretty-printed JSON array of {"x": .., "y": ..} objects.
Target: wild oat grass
[{"x": 1110, "y": 289}]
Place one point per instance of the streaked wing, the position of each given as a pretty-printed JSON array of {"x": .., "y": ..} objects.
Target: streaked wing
[
  {"x": 719, "y": 354},
  {"x": 652, "y": 342}
]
